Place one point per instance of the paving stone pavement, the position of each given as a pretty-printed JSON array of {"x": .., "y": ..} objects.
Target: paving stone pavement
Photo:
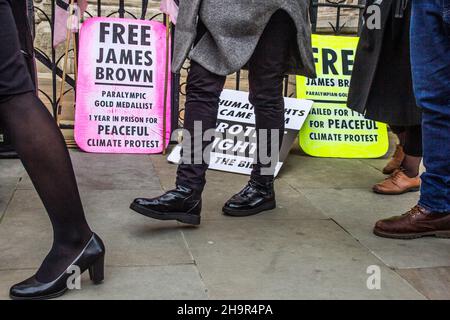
[{"x": 317, "y": 243}]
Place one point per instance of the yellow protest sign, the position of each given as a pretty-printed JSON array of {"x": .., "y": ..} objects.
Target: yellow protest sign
[{"x": 332, "y": 129}]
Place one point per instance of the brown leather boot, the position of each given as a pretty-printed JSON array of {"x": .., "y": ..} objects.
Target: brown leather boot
[
  {"x": 416, "y": 223},
  {"x": 397, "y": 183},
  {"x": 396, "y": 160}
]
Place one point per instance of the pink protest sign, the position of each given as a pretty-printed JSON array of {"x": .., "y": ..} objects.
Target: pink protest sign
[{"x": 120, "y": 86}]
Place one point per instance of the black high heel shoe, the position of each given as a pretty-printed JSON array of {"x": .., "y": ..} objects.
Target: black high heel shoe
[{"x": 91, "y": 258}]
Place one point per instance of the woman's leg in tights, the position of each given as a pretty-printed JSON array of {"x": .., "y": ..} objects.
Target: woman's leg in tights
[
  {"x": 413, "y": 150},
  {"x": 41, "y": 147}
]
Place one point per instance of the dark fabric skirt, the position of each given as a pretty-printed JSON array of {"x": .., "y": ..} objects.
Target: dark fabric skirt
[{"x": 15, "y": 76}]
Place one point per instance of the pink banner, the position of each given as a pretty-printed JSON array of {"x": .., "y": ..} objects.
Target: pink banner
[{"x": 120, "y": 86}]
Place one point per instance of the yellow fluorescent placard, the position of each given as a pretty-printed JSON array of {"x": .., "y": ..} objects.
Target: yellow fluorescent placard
[{"x": 332, "y": 129}]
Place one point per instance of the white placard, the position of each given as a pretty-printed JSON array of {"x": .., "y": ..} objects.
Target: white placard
[{"x": 235, "y": 111}]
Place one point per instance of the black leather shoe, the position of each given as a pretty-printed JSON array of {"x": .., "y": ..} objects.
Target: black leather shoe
[
  {"x": 91, "y": 257},
  {"x": 253, "y": 199},
  {"x": 182, "y": 204}
]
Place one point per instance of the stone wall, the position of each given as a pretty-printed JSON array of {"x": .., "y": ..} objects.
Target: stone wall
[{"x": 327, "y": 15}]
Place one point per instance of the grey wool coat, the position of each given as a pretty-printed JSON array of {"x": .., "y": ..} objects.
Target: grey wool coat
[{"x": 233, "y": 31}]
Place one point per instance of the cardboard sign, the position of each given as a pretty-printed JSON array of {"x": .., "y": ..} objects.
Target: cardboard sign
[
  {"x": 236, "y": 151},
  {"x": 332, "y": 129},
  {"x": 120, "y": 86}
]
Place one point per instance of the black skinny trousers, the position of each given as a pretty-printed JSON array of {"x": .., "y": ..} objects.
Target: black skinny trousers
[{"x": 267, "y": 67}]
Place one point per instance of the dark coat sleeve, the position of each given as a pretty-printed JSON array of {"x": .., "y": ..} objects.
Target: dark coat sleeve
[
  {"x": 366, "y": 59},
  {"x": 381, "y": 86}
]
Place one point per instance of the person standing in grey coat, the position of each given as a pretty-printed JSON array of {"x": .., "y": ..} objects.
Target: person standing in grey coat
[{"x": 271, "y": 38}]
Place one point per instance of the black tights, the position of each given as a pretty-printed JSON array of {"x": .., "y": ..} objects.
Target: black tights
[
  {"x": 40, "y": 145},
  {"x": 411, "y": 139}
]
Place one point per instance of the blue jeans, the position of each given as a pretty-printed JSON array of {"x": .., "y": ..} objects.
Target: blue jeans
[{"x": 430, "y": 58}]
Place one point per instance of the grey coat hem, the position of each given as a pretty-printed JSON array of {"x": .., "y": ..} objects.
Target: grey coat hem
[
  {"x": 226, "y": 70},
  {"x": 212, "y": 50}
]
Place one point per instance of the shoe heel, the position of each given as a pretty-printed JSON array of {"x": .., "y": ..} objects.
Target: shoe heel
[
  {"x": 190, "y": 219},
  {"x": 97, "y": 270}
]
